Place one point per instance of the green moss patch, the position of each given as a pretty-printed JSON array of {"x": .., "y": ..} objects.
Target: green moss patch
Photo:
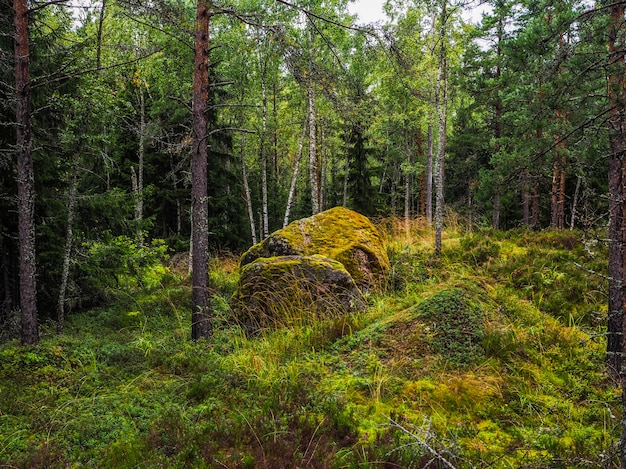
[
  {"x": 338, "y": 233},
  {"x": 294, "y": 289}
]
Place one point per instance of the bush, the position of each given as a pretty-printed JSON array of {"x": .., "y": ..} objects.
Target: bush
[{"x": 117, "y": 267}]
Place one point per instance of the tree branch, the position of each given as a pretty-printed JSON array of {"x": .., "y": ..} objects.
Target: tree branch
[
  {"x": 47, "y": 4},
  {"x": 326, "y": 20},
  {"x": 96, "y": 69}
]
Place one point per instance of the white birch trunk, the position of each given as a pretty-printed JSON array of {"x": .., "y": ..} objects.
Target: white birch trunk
[
  {"x": 313, "y": 164},
  {"x": 429, "y": 175},
  {"x": 69, "y": 238},
  {"x": 263, "y": 152},
  {"x": 441, "y": 105},
  {"x": 294, "y": 176},
  {"x": 248, "y": 198}
]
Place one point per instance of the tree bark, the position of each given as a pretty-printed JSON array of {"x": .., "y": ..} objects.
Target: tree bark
[
  {"x": 25, "y": 179},
  {"x": 575, "y": 203},
  {"x": 313, "y": 163},
  {"x": 246, "y": 194},
  {"x": 441, "y": 104},
  {"x": 429, "y": 175},
  {"x": 420, "y": 156},
  {"x": 346, "y": 169},
  {"x": 408, "y": 179},
  {"x": 141, "y": 157},
  {"x": 294, "y": 176},
  {"x": 69, "y": 238},
  {"x": 616, "y": 201},
  {"x": 201, "y": 301},
  {"x": 495, "y": 216},
  {"x": 557, "y": 216},
  {"x": 263, "y": 150},
  {"x": 497, "y": 131},
  {"x": 526, "y": 197}
]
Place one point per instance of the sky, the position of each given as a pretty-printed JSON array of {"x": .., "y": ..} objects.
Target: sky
[{"x": 369, "y": 11}]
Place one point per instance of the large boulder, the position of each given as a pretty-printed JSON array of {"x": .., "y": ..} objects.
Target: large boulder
[
  {"x": 340, "y": 234},
  {"x": 284, "y": 290}
]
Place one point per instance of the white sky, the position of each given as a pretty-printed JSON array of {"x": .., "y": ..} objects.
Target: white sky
[{"x": 369, "y": 11}]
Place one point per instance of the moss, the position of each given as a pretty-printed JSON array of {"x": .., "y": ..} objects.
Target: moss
[
  {"x": 291, "y": 289},
  {"x": 340, "y": 234},
  {"x": 457, "y": 324}
]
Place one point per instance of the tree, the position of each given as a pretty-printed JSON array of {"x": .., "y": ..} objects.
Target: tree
[
  {"x": 617, "y": 206},
  {"x": 201, "y": 300},
  {"x": 25, "y": 178},
  {"x": 441, "y": 104}
]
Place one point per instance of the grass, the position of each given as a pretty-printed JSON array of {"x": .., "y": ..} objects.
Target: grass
[{"x": 478, "y": 359}]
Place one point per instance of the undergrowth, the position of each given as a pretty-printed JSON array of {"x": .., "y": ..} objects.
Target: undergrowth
[{"x": 490, "y": 356}]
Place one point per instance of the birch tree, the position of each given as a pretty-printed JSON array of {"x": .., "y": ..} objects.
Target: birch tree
[{"x": 441, "y": 104}]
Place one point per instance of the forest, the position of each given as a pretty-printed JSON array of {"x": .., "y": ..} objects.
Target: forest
[{"x": 146, "y": 144}]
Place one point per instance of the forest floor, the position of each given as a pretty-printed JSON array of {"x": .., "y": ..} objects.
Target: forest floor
[{"x": 491, "y": 356}]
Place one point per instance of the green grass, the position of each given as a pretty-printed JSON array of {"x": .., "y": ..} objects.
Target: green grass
[{"x": 491, "y": 356}]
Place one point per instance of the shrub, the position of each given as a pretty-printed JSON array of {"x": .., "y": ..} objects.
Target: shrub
[{"x": 117, "y": 267}]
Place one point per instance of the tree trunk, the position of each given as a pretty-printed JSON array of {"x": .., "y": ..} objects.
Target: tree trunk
[
  {"x": 572, "y": 223},
  {"x": 497, "y": 131},
  {"x": 407, "y": 202},
  {"x": 99, "y": 35},
  {"x": 294, "y": 176},
  {"x": 495, "y": 216},
  {"x": 141, "y": 156},
  {"x": 313, "y": 163},
  {"x": 69, "y": 238},
  {"x": 429, "y": 176},
  {"x": 441, "y": 104},
  {"x": 346, "y": 170},
  {"x": 323, "y": 172},
  {"x": 246, "y": 193},
  {"x": 408, "y": 179},
  {"x": 263, "y": 150},
  {"x": 525, "y": 198},
  {"x": 557, "y": 213},
  {"x": 25, "y": 179},
  {"x": 616, "y": 202},
  {"x": 201, "y": 301},
  {"x": 421, "y": 209}
]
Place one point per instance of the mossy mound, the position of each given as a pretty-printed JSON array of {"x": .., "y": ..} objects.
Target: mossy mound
[
  {"x": 338, "y": 233},
  {"x": 294, "y": 289}
]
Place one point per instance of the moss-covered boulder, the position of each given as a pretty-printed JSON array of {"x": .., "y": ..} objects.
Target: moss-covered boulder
[
  {"x": 286, "y": 290},
  {"x": 338, "y": 233}
]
